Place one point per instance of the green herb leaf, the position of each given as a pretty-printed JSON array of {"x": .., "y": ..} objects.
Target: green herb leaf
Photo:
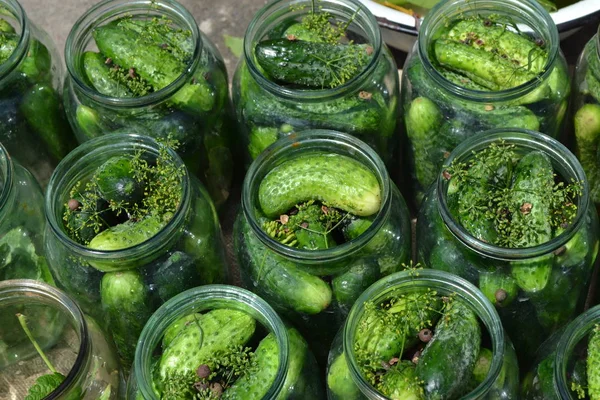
[
  {"x": 234, "y": 44},
  {"x": 44, "y": 385}
]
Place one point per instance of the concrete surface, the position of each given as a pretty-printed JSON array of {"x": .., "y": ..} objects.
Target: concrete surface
[{"x": 215, "y": 18}]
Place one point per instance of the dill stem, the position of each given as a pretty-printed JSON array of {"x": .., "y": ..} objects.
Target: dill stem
[{"x": 23, "y": 322}]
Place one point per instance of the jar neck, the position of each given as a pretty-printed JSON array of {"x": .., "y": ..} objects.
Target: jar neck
[
  {"x": 7, "y": 176},
  {"x": 80, "y": 39},
  {"x": 204, "y": 299},
  {"x": 531, "y": 17},
  {"x": 573, "y": 335},
  {"x": 79, "y": 165},
  {"x": 17, "y": 15},
  {"x": 444, "y": 284},
  {"x": 361, "y": 22},
  {"x": 319, "y": 142},
  {"x": 25, "y": 292},
  {"x": 565, "y": 165}
]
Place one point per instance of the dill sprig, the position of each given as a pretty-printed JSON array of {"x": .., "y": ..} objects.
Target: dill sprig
[
  {"x": 129, "y": 79},
  {"x": 481, "y": 190}
]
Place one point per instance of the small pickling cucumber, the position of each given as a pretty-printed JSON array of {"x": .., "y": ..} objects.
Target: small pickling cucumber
[
  {"x": 348, "y": 286},
  {"x": 216, "y": 331},
  {"x": 593, "y": 364},
  {"x": 261, "y": 137},
  {"x": 281, "y": 281},
  {"x": 400, "y": 382},
  {"x": 6, "y": 27},
  {"x": 88, "y": 121},
  {"x": 587, "y": 142},
  {"x": 500, "y": 288},
  {"x": 317, "y": 65},
  {"x": 126, "y": 304},
  {"x": 532, "y": 187},
  {"x": 178, "y": 326},
  {"x": 339, "y": 381},
  {"x": 333, "y": 179},
  {"x": 539, "y": 385},
  {"x": 176, "y": 274},
  {"x": 423, "y": 123},
  {"x": 98, "y": 74},
  {"x": 482, "y": 67},
  {"x": 447, "y": 361},
  {"x": 482, "y": 367},
  {"x": 461, "y": 80},
  {"x": 117, "y": 181},
  {"x": 520, "y": 49},
  {"x": 298, "y": 31},
  {"x": 37, "y": 64},
  {"x": 127, "y": 234},
  {"x": 8, "y": 44}
]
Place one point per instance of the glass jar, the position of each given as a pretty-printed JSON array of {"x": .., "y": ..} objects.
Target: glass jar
[
  {"x": 22, "y": 224},
  {"x": 586, "y": 106},
  {"x": 365, "y": 106},
  {"x": 33, "y": 124},
  {"x": 200, "y": 124},
  {"x": 315, "y": 289},
  {"x": 561, "y": 362},
  {"x": 187, "y": 252},
  {"x": 296, "y": 377},
  {"x": 443, "y": 243},
  {"x": 445, "y": 113},
  {"x": 349, "y": 383},
  {"x": 73, "y": 344}
]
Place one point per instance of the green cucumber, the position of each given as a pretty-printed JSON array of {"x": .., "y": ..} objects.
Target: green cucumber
[
  {"x": 281, "y": 280},
  {"x": 400, "y": 382},
  {"x": 423, "y": 122},
  {"x": 593, "y": 364},
  {"x": 6, "y": 27},
  {"x": 520, "y": 49},
  {"x": 177, "y": 327},
  {"x": 216, "y": 331},
  {"x": 38, "y": 62},
  {"x": 117, "y": 181},
  {"x": 339, "y": 381},
  {"x": 333, "y": 179},
  {"x": 98, "y": 74},
  {"x": 500, "y": 288},
  {"x": 127, "y": 234},
  {"x": 540, "y": 384},
  {"x": 88, "y": 121},
  {"x": 350, "y": 284},
  {"x": 154, "y": 64},
  {"x": 482, "y": 366},
  {"x": 587, "y": 142},
  {"x": 461, "y": 80},
  {"x": 177, "y": 274},
  {"x": 298, "y": 31},
  {"x": 8, "y": 44},
  {"x": 311, "y": 233},
  {"x": 482, "y": 67},
  {"x": 311, "y": 64},
  {"x": 42, "y": 108},
  {"x": 533, "y": 183},
  {"x": 447, "y": 361},
  {"x": 260, "y": 138},
  {"x": 125, "y": 301}
]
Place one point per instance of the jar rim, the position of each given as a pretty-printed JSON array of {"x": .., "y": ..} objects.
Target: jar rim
[
  {"x": 524, "y": 138},
  {"x": 7, "y": 169},
  {"x": 573, "y": 334},
  {"x": 80, "y": 34},
  {"x": 24, "y": 287},
  {"x": 277, "y": 6},
  {"x": 304, "y": 141},
  {"x": 427, "y": 279},
  {"x": 191, "y": 301},
  {"x": 20, "y": 51},
  {"x": 70, "y": 165},
  {"x": 439, "y": 13}
]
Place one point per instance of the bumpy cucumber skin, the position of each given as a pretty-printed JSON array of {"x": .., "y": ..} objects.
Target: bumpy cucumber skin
[
  {"x": 278, "y": 280},
  {"x": 216, "y": 331},
  {"x": 593, "y": 365},
  {"x": 400, "y": 383},
  {"x": 127, "y": 234},
  {"x": 333, "y": 179},
  {"x": 125, "y": 301},
  {"x": 308, "y": 63},
  {"x": 260, "y": 138},
  {"x": 7, "y": 46},
  {"x": 97, "y": 72},
  {"x": 176, "y": 327},
  {"x": 587, "y": 138},
  {"x": 491, "y": 282},
  {"x": 448, "y": 359},
  {"x": 117, "y": 182},
  {"x": 533, "y": 183},
  {"x": 339, "y": 381}
]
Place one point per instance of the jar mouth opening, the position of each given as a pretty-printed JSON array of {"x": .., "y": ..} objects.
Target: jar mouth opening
[
  {"x": 414, "y": 281},
  {"x": 575, "y": 332},
  {"x": 80, "y": 164},
  {"x": 206, "y": 298},
  {"x": 13, "y": 290},
  {"x": 106, "y": 11},
  {"x": 16, "y": 11},
  {"x": 279, "y": 10},
  {"x": 565, "y": 165},
  {"x": 528, "y": 13},
  {"x": 314, "y": 141}
]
